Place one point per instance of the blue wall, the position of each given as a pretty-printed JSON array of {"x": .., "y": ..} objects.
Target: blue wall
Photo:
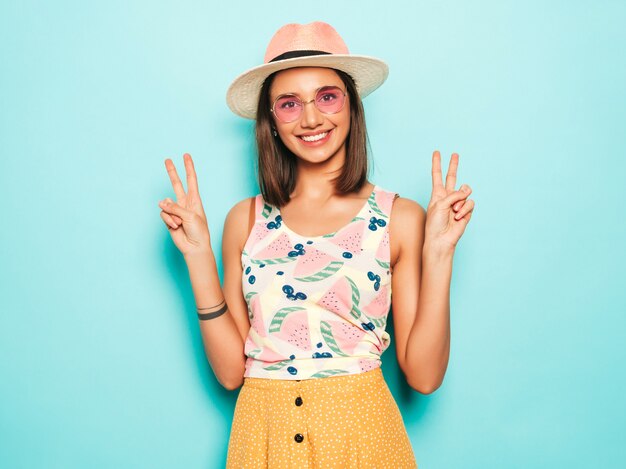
[{"x": 101, "y": 360}]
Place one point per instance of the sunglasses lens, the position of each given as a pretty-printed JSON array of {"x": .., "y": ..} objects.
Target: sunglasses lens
[
  {"x": 287, "y": 108},
  {"x": 329, "y": 99}
]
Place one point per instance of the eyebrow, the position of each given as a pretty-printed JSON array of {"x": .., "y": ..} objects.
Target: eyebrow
[{"x": 298, "y": 95}]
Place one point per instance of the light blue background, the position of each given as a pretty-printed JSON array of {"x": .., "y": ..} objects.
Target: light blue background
[{"x": 101, "y": 359}]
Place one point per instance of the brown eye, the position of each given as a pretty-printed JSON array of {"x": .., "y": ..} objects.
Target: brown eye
[{"x": 287, "y": 103}]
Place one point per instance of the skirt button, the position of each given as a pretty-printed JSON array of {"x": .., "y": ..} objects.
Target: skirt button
[
  {"x": 298, "y": 401},
  {"x": 298, "y": 437}
]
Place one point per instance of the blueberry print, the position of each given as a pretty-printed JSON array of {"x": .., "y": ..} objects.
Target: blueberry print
[
  {"x": 274, "y": 225},
  {"x": 288, "y": 290},
  {"x": 318, "y": 302},
  {"x": 299, "y": 251},
  {"x": 374, "y": 278},
  {"x": 375, "y": 223},
  {"x": 369, "y": 326}
]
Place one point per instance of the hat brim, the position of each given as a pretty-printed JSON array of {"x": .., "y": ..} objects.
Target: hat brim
[{"x": 243, "y": 94}]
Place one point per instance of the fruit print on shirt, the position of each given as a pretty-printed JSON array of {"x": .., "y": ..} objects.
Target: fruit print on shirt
[{"x": 318, "y": 306}]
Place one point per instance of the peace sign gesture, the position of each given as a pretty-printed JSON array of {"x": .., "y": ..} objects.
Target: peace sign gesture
[
  {"x": 449, "y": 210},
  {"x": 185, "y": 218}
]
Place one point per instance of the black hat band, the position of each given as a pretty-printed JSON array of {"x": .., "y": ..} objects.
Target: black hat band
[{"x": 298, "y": 53}]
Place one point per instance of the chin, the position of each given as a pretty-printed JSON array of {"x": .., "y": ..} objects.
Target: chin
[{"x": 315, "y": 154}]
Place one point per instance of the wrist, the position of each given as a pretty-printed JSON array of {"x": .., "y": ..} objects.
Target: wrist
[
  {"x": 202, "y": 256},
  {"x": 437, "y": 250}
]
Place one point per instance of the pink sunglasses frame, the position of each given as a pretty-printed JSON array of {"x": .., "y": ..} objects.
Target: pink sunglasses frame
[{"x": 304, "y": 103}]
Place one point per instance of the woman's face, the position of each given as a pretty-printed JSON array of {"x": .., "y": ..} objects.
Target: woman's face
[{"x": 303, "y": 82}]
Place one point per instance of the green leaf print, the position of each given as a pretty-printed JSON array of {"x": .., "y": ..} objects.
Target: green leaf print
[
  {"x": 324, "y": 374},
  {"x": 326, "y": 272},
  {"x": 276, "y": 260},
  {"x": 248, "y": 298},
  {"x": 379, "y": 322},
  {"x": 384, "y": 265},
  {"x": 280, "y": 316},
  {"x": 266, "y": 210},
  {"x": 327, "y": 334},
  {"x": 356, "y": 297},
  {"x": 278, "y": 365},
  {"x": 374, "y": 206}
]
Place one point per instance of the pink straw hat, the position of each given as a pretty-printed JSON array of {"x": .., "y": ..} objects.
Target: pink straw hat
[{"x": 315, "y": 44}]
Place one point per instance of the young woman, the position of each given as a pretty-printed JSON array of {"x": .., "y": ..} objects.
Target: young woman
[{"x": 310, "y": 264}]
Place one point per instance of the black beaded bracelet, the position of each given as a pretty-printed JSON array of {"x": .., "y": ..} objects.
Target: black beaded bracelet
[{"x": 218, "y": 313}]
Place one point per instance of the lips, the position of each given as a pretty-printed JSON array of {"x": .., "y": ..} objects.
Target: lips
[{"x": 315, "y": 139}]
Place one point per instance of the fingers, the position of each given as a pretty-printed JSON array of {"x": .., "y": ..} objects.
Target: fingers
[
  {"x": 179, "y": 190},
  {"x": 192, "y": 180},
  {"x": 172, "y": 208},
  {"x": 466, "y": 210},
  {"x": 456, "y": 196},
  {"x": 437, "y": 176},
  {"x": 451, "y": 175},
  {"x": 169, "y": 222}
]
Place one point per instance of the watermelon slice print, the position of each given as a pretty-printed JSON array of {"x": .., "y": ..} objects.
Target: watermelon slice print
[
  {"x": 379, "y": 306},
  {"x": 382, "y": 253},
  {"x": 277, "y": 252},
  {"x": 342, "y": 298},
  {"x": 351, "y": 237},
  {"x": 292, "y": 326},
  {"x": 340, "y": 336},
  {"x": 315, "y": 265}
]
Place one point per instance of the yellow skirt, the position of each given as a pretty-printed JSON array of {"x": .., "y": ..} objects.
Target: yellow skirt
[{"x": 348, "y": 421}]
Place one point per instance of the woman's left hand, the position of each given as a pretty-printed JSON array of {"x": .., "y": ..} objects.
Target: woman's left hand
[{"x": 449, "y": 210}]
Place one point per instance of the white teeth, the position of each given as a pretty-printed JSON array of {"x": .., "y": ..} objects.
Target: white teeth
[{"x": 314, "y": 138}]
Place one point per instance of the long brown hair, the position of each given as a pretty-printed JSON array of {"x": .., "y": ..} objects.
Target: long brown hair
[{"x": 276, "y": 164}]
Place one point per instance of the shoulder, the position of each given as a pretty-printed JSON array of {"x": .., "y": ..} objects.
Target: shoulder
[
  {"x": 242, "y": 209},
  {"x": 406, "y": 226},
  {"x": 239, "y": 221},
  {"x": 405, "y": 210}
]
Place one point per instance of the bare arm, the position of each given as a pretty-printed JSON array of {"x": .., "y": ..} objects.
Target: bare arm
[
  {"x": 424, "y": 244},
  {"x": 224, "y": 336}
]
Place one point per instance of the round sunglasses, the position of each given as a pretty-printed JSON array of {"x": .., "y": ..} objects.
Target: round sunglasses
[{"x": 328, "y": 100}]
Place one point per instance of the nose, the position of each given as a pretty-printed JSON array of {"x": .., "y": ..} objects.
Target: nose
[{"x": 311, "y": 116}]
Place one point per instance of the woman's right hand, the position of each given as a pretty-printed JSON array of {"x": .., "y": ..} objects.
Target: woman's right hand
[{"x": 185, "y": 218}]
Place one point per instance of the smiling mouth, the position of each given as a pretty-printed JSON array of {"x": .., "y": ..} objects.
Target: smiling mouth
[{"x": 314, "y": 138}]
